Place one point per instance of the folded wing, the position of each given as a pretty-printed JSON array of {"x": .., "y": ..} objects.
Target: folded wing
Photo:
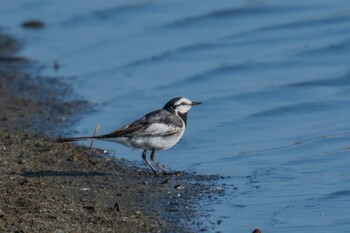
[{"x": 157, "y": 123}]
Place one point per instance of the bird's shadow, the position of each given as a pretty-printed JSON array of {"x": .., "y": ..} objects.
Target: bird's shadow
[{"x": 63, "y": 174}]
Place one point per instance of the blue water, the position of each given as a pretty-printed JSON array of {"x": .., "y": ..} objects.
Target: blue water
[{"x": 274, "y": 78}]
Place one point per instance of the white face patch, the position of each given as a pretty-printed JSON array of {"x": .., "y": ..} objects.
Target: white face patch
[
  {"x": 183, "y": 108},
  {"x": 183, "y": 105}
]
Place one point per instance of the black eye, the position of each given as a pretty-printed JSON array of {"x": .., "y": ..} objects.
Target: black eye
[{"x": 183, "y": 104}]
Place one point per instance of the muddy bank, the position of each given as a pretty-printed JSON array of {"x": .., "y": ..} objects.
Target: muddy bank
[{"x": 50, "y": 187}]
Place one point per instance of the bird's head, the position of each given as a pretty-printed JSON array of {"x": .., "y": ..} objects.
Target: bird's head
[{"x": 180, "y": 105}]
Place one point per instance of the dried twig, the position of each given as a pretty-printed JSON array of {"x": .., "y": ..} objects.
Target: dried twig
[{"x": 92, "y": 140}]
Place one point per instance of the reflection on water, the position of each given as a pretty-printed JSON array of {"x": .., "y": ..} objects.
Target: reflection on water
[{"x": 273, "y": 76}]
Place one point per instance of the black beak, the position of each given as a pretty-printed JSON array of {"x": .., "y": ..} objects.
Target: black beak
[{"x": 196, "y": 103}]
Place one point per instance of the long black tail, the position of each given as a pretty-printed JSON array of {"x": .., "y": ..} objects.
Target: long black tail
[{"x": 76, "y": 139}]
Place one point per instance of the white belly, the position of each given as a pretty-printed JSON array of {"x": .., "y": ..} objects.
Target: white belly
[{"x": 149, "y": 142}]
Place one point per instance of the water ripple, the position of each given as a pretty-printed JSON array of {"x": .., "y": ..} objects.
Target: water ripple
[{"x": 236, "y": 13}]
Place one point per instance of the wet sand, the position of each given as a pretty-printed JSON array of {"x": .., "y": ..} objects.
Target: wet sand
[{"x": 51, "y": 187}]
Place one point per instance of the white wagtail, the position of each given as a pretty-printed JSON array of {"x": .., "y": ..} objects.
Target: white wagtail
[{"x": 157, "y": 130}]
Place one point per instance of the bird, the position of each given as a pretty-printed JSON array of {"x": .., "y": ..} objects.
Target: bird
[{"x": 158, "y": 130}]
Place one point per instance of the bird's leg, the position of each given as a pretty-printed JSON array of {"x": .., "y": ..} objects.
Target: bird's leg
[
  {"x": 144, "y": 154},
  {"x": 156, "y": 163}
]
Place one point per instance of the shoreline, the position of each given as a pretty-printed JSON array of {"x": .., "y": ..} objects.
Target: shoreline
[{"x": 51, "y": 187}]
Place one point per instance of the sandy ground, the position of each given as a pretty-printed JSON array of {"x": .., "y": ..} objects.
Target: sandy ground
[{"x": 51, "y": 187}]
